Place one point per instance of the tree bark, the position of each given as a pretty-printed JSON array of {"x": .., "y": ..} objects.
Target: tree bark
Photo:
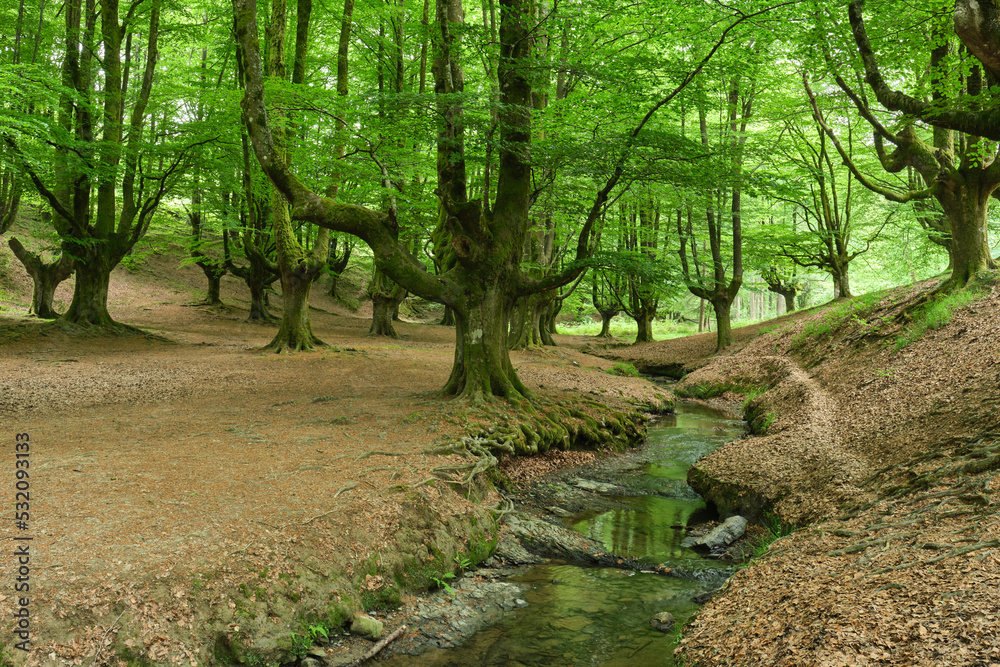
[
  {"x": 297, "y": 275},
  {"x": 606, "y": 317},
  {"x": 45, "y": 278},
  {"x": 723, "y": 325},
  {"x": 644, "y": 324},
  {"x": 482, "y": 367},
  {"x": 386, "y": 297},
  {"x": 90, "y": 291}
]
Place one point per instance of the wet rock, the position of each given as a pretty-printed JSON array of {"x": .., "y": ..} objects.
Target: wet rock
[
  {"x": 723, "y": 535},
  {"x": 510, "y": 551},
  {"x": 367, "y": 627},
  {"x": 596, "y": 487},
  {"x": 312, "y": 662},
  {"x": 704, "y": 596},
  {"x": 555, "y": 541},
  {"x": 560, "y": 512},
  {"x": 664, "y": 621}
]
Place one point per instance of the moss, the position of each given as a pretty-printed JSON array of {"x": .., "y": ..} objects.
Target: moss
[
  {"x": 383, "y": 598},
  {"x": 935, "y": 314},
  {"x": 624, "y": 369}
]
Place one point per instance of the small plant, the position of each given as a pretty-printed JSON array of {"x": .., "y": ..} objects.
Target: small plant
[
  {"x": 624, "y": 369},
  {"x": 440, "y": 580},
  {"x": 774, "y": 529},
  {"x": 463, "y": 561}
]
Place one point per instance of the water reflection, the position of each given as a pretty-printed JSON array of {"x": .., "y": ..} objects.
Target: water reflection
[{"x": 596, "y": 616}]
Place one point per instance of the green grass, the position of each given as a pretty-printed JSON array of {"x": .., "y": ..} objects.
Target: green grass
[
  {"x": 625, "y": 369},
  {"x": 935, "y": 315},
  {"x": 704, "y": 390},
  {"x": 624, "y": 329},
  {"x": 775, "y": 529}
]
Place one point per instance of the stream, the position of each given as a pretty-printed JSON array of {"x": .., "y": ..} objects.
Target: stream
[{"x": 600, "y": 616}]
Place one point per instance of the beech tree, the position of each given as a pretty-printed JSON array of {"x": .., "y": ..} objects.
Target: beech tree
[
  {"x": 958, "y": 167},
  {"x": 108, "y": 178}
]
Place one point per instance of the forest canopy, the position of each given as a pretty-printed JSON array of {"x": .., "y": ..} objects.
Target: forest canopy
[{"x": 503, "y": 158}]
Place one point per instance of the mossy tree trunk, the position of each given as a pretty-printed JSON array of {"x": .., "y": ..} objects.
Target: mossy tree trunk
[
  {"x": 45, "y": 277},
  {"x": 607, "y": 314},
  {"x": 298, "y": 268},
  {"x": 386, "y": 297}
]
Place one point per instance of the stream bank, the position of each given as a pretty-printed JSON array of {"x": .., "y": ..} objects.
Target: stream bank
[{"x": 587, "y": 558}]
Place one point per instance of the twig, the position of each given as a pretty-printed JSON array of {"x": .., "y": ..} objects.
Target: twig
[{"x": 378, "y": 647}]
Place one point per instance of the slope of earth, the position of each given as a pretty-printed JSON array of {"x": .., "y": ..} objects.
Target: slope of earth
[
  {"x": 889, "y": 461},
  {"x": 193, "y": 501}
]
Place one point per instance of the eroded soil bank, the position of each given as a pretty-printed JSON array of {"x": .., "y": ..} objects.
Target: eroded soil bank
[
  {"x": 888, "y": 461},
  {"x": 197, "y": 502}
]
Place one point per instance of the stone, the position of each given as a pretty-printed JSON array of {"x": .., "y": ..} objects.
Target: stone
[
  {"x": 367, "y": 627},
  {"x": 664, "y": 621},
  {"x": 558, "y": 511},
  {"x": 723, "y": 535},
  {"x": 596, "y": 487}
]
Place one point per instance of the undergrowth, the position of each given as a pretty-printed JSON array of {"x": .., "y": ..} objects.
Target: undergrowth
[
  {"x": 774, "y": 529},
  {"x": 935, "y": 314},
  {"x": 624, "y": 369},
  {"x": 704, "y": 390}
]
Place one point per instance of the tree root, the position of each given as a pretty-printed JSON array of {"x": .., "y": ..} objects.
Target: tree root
[
  {"x": 867, "y": 544},
  {"x": 961, "y": 551}
]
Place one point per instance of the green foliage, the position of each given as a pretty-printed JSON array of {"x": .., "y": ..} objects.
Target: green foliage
[
  {"x": 624, "y": 369},
  {"x": 441, "y": 579},
  {"x": 774, "y": 529},
  {"x": 935, "y": 314}
]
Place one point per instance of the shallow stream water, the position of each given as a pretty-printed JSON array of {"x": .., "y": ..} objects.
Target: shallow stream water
[{"x": 600, "y": 616}]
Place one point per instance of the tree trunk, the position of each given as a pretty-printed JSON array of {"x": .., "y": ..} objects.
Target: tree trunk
[
  {"x": 482, "y": 365},
  {"x": 644, "y": 324},
  {"x": 45, "y": 278},
  {"x": 789, "y": 301},
  {"x": 297, "y": 274},
  {"x": 258, "y": 300},
  {"x": 723, "y": 326},
  {"x": 841, "y": 284},
  {"x": 386, "y": 297},
  {"x": 448, "y": 318},
  {"x": 519, "y": 331},
  {"x": 382, "y": 306},
  {"x": 90, "y": 293},
  {"x": 606, "y": 317},
  {"x": 970, "y": 249},
  {"x": 214, "y": 275},
  {"x": 295, "y": 333}
]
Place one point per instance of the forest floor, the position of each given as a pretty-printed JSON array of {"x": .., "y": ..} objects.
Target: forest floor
[
  {"x": 182, "y": 483},
  {"x": 886, "y": 459},
  {"x": 179, "y": 487}
]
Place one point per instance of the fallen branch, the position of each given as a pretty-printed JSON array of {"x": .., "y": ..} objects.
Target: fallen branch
[{"x": 378, "y": 647}]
